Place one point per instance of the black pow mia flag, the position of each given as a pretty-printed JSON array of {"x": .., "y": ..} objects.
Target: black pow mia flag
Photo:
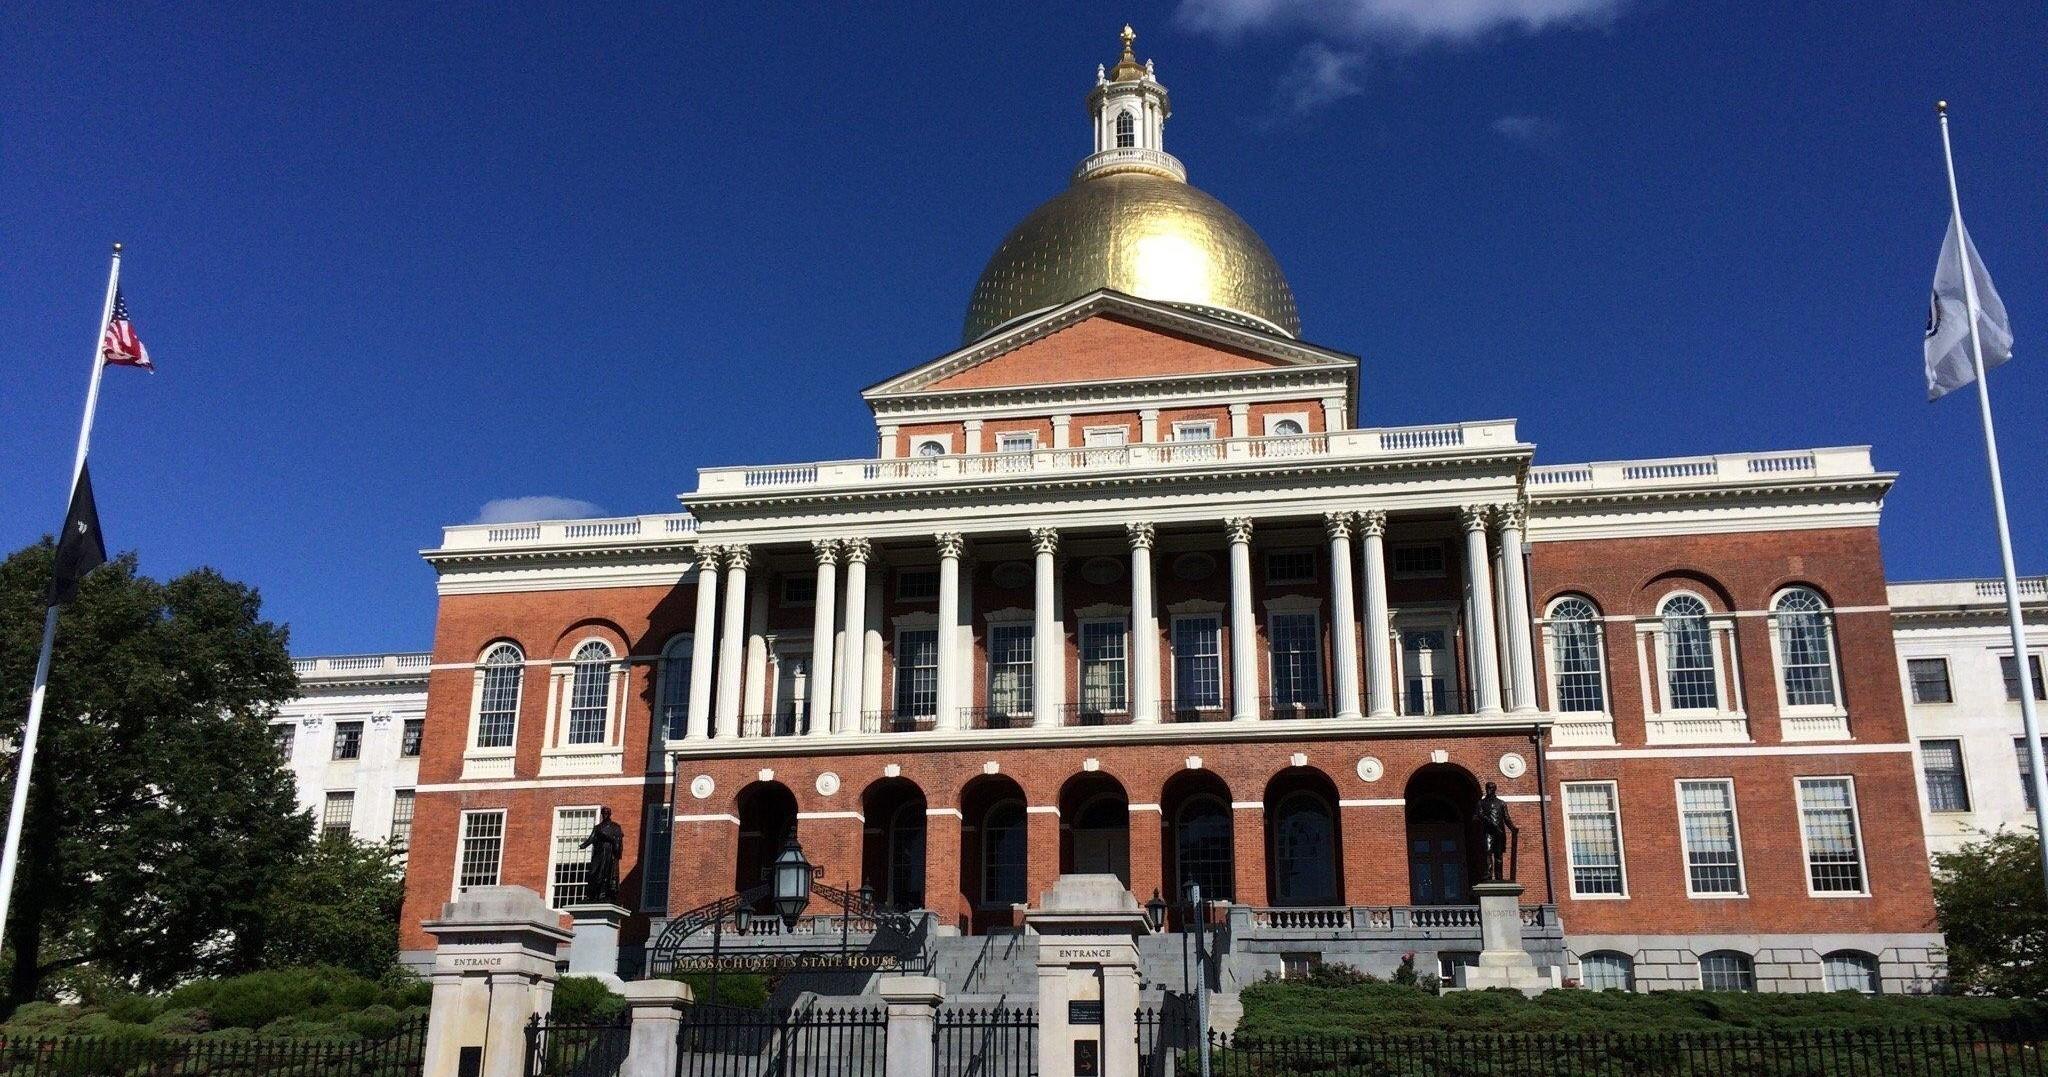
[{"x": 81, "y": 548}]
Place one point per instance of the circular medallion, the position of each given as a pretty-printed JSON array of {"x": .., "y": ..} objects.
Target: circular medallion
[
  {"x": 828, "y": 784},
  {"x": 1102, "y": 571},
  {"x": 1013, "y": 575},
  {"x": 1194, "y": 566},
  {"x": 1512, "y": 765},
  {"x": 1371, "y": 769},
  {"x": 702, "y": 786}
]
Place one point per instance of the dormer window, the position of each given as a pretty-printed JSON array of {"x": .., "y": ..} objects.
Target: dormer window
[{"x": 1126, "y": 131}]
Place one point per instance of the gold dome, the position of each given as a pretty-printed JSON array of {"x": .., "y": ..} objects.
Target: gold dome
[{"x": 1140, "y": 233}]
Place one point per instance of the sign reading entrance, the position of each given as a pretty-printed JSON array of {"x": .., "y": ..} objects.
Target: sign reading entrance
[
  {"x": 790, "y": 961},
  {"x": 1084, "y": 1013}
]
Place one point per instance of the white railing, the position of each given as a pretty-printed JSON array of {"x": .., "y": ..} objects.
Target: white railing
[
  {"x": 1434, "y": 437},
  {"x": 1949, "y": 594},
  {"x": 1704, "y": 470},
  {"x": 1441, "y": 916},
  {"x": 549, "y": 532},
  {"x": 1459, "y": 918},
  {"x": 357, "y": 664}
]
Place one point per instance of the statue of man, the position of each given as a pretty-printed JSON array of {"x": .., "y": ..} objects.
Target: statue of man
[
  {"x": 607, "y": 843},
  {"x": 1498, "y": 831}
]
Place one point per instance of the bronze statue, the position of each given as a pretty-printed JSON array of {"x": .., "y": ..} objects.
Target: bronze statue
[
  {"x": 607, "y": 843},
  {"x": 1498, "y": 831}
]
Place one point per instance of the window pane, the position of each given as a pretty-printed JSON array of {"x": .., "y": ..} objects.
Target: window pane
[
  {"x": 413, "y": 738},
  {"x": 1297, "y": 661},
  {"x": 499, "y": 713},
  {"x": 654, "y": 859},
  {"x": 917, "y": 672},
  {"x": 2019, "y": 748},
  {"x": 1806, "y": 658},
  {"x": 483, "y": 843},
  {"x": 1593, "y": 829},
  {"x": 401, "y": 818},
  {"x": 1941, "y": 764},
  {"x": 1004, "y": 855},
  {"x": 917, "y": 584},
  {"x": 1305, "y": 851},
  {"x": 1834, "y": 858},
  {"x": 1847, "y": 970},
  {"x": 1575, "y": 630},
  {"x": 338, "y": 815},
  {"x": 572, "y": 865},
  {"x": 283, "y": 735},
  {"x": 1930, "y": 680},
  {"x": 1727, "y": 971},
  {"x": 1689, "y": 656},
  {"x": 1290, "y": 566},
  {"x": 1103, "y": 667},
  {"x": 1418, "y": 560},
  {"x": 1197, "y": 663},
  {"x": 589, "y": 694},
  {"x": 2010, "y": 670},
  {"x": 1202, "y": 849},
  {"x": 675, "y": 688},
  {"x": 1607, "y": 971},
  {"x": 1009, "y": 676},
  {"x": 1713, "y": 856},
  {"x": 348, "y": 740}
]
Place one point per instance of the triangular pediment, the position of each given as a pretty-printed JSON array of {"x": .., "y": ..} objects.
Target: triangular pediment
[{"x": 1108, "y": 337}]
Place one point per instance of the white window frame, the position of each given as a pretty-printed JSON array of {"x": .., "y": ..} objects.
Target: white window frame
[
  {"x": 1948, "y": 679},
  {"x": 1750, "y": 959},
  {"x": 918, "y": 443},
  {"x": 1962, "y": 769},
  {"x": 2026, "y": 675},
  {"x": 462, "y": 842},
  {"x": 1312, "y": 609},
  {"x": 1173, "y": 698},
  {"x": 555, "y": 846},
  {"x": 403, "y": 796},
  {"x": 1194, "y": 430},
  {"x": 1006, "y": 435},
  {"x": 681, "y": 646},
  {"x": 1576, "y": 727},
  {"x": 989, "y": 692},
  {"x": 1090, "y": 434},
  {"x": 897, "y": 670},
  {"x": 1834, "y": 656},
  {"x": 496, "y": 761},
  {"x": 1629, "y": 965},
  {"x": 1876, "y": 971},
  {"x": 1856, "y": 827},
  {"x": 606, "y": 755},
  {"x": 1725, "y": 722},
  {"x": 1267, "y": 423},
  {"x": 1122, "y": 627},
  {"x": 327, "y": 802},
  {"x": 362, "y": 728},
  {"x": 1735, "y": 828},
  {"x": 1620, "y": 843}
]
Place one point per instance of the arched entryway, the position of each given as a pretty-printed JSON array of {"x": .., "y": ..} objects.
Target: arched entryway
[
  {"x": 1440, "y": 800},
  {"x": 767, "y": 812},
  {"x": 995, "y": 851},
  {"x": 892, "y": 845},
  {"x": 1095, "y": 826},
  {"x": 1304, "y": 846},
  {"x": 1200, "y": 843}
]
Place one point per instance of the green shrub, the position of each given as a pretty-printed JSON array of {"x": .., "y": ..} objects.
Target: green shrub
[
  {"x": 181, "y": 1023},
  {"x": 746, "y": 990},
  {"x": 585, "y": 1000}
]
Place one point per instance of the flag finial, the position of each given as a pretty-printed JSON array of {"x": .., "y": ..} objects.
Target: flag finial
[
  {"x": 117, "y": 248},
  {"x": 1941, "y": 107}
]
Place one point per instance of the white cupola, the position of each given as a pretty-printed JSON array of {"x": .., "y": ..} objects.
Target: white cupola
[{"x": 1129, "y": 109}]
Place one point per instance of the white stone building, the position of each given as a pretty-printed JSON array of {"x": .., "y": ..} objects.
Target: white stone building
[{"x": 352, "y": 739}]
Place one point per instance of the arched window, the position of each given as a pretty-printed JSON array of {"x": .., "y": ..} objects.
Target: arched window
[
  {"x": 906, "y": 857},
  {"x": 1850, "y": 970},
  {"x": 1126, "y": 131},
  {"x": 1575, "y": 655},
  {"x": 1304, "y": 852},
  {"x": 1202, "y": 848},
  {"x": 1690, "y": 678},
  {"x": 498, "y": 703},
  {"x": 1607, "y": 970},
  {"x": 1727, "y": 970},
  {"x": 590, "y": 693},
  {"x": 675, "y": 686},
  {"x": 1004, "y": 854},
  {"x": 1806, "y": 651},
  {"x": 1287, "y": 428},
  {"x": 931, "y": 447}
]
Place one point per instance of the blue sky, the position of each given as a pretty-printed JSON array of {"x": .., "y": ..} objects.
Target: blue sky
[{"x": 396, "y": 262}]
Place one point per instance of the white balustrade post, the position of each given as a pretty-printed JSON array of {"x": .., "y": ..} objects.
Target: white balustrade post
[
  {"x": 1509, "y": 519},
  {"x": 1048, "y": 642},
  {"x": 1479, "y": 610},
  {"x": 1244, "y": 646},
  {"x": 824, "y": 601},
  {"x": 853, "y": 663},
  {"x": 732, "y": 638},
  {"x": 947, "y": 707},
  {"x": 1343, "y": 613},
  {"x": 1379, "y": 659},
  {"x": 1144, "y": 628},
  {"x": 699, "y": 723}
]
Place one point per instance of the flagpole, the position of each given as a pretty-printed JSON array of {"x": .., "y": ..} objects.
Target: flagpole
[
  {"x": 2029, "y": 723},
  {"x": 10, "y": 858}
]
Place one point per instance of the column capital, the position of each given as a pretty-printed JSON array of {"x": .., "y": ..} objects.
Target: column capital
[
  {"x": 1474, "y": 517},
  {"x": 1239, "y": 528},
  {"x": 739, "y": 557},
  {"x": 710, "y": 557},
  {"x": 1141, "y": 533},
  {"x": 1045, "y": 539},
  {"x": 1337, "y": 525},
  {"x": 1240, "y": 409},
  {"x": 971, "y": 424},
  {"x": 857, "y": 550},
  {"x": 950, "y": 543},
  {"x": 1511, "y": 516},
  {"x": 827, "y": 550},
  {"x": 1372, "y": 523}
]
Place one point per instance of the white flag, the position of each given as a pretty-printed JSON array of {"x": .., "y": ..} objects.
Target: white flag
[{"x": 1948, "y": 318}]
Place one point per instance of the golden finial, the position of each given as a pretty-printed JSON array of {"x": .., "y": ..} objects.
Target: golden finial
[
  {"x": 1128, "y": 36},
  {"x": 1941, "y": 107},
  {"x": 117, "y": 248},
  {"x": 1127, "y": 66}
]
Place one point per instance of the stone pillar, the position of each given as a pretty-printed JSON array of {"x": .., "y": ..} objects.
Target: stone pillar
[
  {"x": 657, "y": 1009},
  {"x": 1048, "y": 640},
  {"x": 885, "y": 438},
  {"x": 730, "y": 639},
  {"x": 948, "y": 705},
  {"x": 754, "y": 693},
  {"x": 1504, "y": 959},
  {"x": 853, "y": 664},
  {"x": 1244, "y": 633},
  {"x": 494, "y": 968},
  {"x": 1515, "y": 590},
  {"x": 971, "y": 431},
  {"x": 699, "y": 722},
  {"x": 1240, "y": 420},
  {"x": 1148, "y": 425},
  {"x": 1062, "y": 432},
  {"x": 1144, "y": 628},
  {"x": 1479, "y": 611},
  {"x": 594, "y": 941},
  {"x": 1379, "y": 658},
  {"x": 871, "y": 644},
  {"x": 913, "y": 1006},
  {"x": 1343, "y": 613},
  {"x": 1333, "y": 413},
  {"x": 824, "y": 601},
  {"x": 1087, "y": 975}
]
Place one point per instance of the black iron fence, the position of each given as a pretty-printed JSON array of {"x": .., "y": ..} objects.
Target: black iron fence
[
  {"x": 723, "y": 1041},
  {"x": 401, "y": 1054},
  {"x": 999, "y": 1042},
  {"x": 576, "y": 1050}
]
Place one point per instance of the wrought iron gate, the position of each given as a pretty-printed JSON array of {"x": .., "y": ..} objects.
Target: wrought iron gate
[
  {"x": 998, "y": 1042},
  {"x": 724, "y": 1041}
]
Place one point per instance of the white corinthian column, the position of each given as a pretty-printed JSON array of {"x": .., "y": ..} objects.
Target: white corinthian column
[
  {"x": 1144, "y": 628},
  {"x": 698, "y": 725},
  {"x": 1244, "y": 640},
  {"x": 948, "y": 707},
  {"x": 1508, "y": 520},
  {"x": 825, "y": 599},
  {"x": 1048, "y": 643},
  {"x": 1379, "y": 657},
  {"x": 1479, "y": 610},
  {"x": 732, "y": 639},
  {"x": 853, "y": 663},
  {"x": 1343, "y": 613}
]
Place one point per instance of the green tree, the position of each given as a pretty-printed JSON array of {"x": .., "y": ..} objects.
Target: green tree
[
  {"x": 160, "y": 820},
  {"x": 337, "y": 905},
  {"x": 1989, "y": 898}
]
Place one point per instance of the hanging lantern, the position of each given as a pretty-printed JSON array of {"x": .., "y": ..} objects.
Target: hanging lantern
[{"x": 792, "y": 883}]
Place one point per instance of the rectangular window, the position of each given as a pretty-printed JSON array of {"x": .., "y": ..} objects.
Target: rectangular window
[
  {"x": 1941, "y": 766},
  {"x": 2019, "y": 748},
  {"x": 917, "y": 672},
  {"x": 1009, "y": 669},
  {"x": 1023, "y": 441},
  {"x": 1202, "y": 430},
  {"x": 284, "y": 735},
  {"x": 1592, "y": 823},
  {"x": 338, "y": 815},
  {"x": 654, "y": 859},
  {"x": 1103, "y": 668},
  {"x": 1930, "y": 680},
  {"x": 412, "y": 738},
  {"x": 1197, "y": 664},
  {"x": 1101, "y": 437},
  {"x": 1298, "y": 966},
  {"x": 590, "y": 688},
  {"x": 2010, "y": 669},
  {"x": 401, "y": 818},
  {"x": 481, "y": 849},
  {"x": 570, "y": 876},
  {"x": 1417, "y": 560},
  {"x": 498, "y": 707},
  {"x": 1713, "y": 848},
  {"x": 917, "y": 584},
  {"x": 1297, "y": 662},
  {"x": 799, "y": 590},
  {"x": 1291, "y": 566},
  {"x": 1834, "y": 849},
  {"x": 348, "y": 740}
]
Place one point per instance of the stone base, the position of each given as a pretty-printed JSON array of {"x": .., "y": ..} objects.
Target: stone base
[
  {"x": 594, "y": 946},
  {"x": 1505, "y": 961},
  {"x": 1526, "y": 978}
]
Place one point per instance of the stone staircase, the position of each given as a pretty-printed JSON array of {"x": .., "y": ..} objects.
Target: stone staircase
[{"x": 987, "y": 970}]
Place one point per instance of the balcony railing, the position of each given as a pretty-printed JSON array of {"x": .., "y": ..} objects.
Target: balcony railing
[
  {"x": 1282, "y": 707},
  {"x": 666, "y": 527},
  {"x": 1180, "y": 711},
  {"x": 892, "y": 722},
  {"x": 1462, "y": 918},
  {"x": 358, "y": 665},
  {"x": 1703, "y": 470},
  {"x": 996, "y": 718},
  {"x": 1080, "y": 714}
]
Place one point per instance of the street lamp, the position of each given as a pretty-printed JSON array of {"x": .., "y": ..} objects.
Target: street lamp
[
  {"x": 792, "y": 883},
  {"x": 1200, "y": 915},
  {"x": 742, "y": 918},
  {"x": 1155, "y": 911}
]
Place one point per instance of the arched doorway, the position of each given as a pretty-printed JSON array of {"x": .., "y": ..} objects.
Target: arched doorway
[
  {"x": 1440, "y": 800},
  {"x": 892, "y": 847},
  {"x": 1304, "y": 851},
  {"x": 995, "y": 852},
  {"x": 1200, "y": 845},
  {"x": 1095, "y": 827},
  {"x": 767, "y": 812}
]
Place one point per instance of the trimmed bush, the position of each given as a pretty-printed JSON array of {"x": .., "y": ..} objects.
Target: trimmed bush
[
  {"x": 584, "y": 1000},
  {"x": 311, "y": 1003}
]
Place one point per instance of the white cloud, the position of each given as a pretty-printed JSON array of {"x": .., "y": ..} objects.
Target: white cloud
[
  {"x": 540, "y": 507},
  {"x": 1321, "y": 75},
  {"x": 1413, "y": 21},
  {"x": 1524, "y": 128}
]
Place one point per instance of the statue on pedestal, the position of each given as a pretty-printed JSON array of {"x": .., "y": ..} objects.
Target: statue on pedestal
[
  {"x": 1498, "y": 831},
  {"x": 607, "y": 844}
]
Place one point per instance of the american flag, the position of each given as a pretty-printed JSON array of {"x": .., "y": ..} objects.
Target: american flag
[{"x": 121, "y": 347}]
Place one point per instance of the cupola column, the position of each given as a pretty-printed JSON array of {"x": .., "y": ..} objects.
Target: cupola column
[
  {"x": 1479, "y": 611},
  {"x": 824, "y": 600},
  {"x": 1244, "y": 634},
  {"x": 1343, "y": 613},
  {"x": 1144, "y": 628},
  {"x": 1048, "y": 641}
]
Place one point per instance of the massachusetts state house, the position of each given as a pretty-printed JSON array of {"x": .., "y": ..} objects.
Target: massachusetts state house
[{"x": 1128, "y": 585}]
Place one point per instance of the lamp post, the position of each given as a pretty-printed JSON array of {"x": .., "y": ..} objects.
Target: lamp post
[
  {"x": 1200, "y": 914},
  {"x": 1155, "y": 911}
]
